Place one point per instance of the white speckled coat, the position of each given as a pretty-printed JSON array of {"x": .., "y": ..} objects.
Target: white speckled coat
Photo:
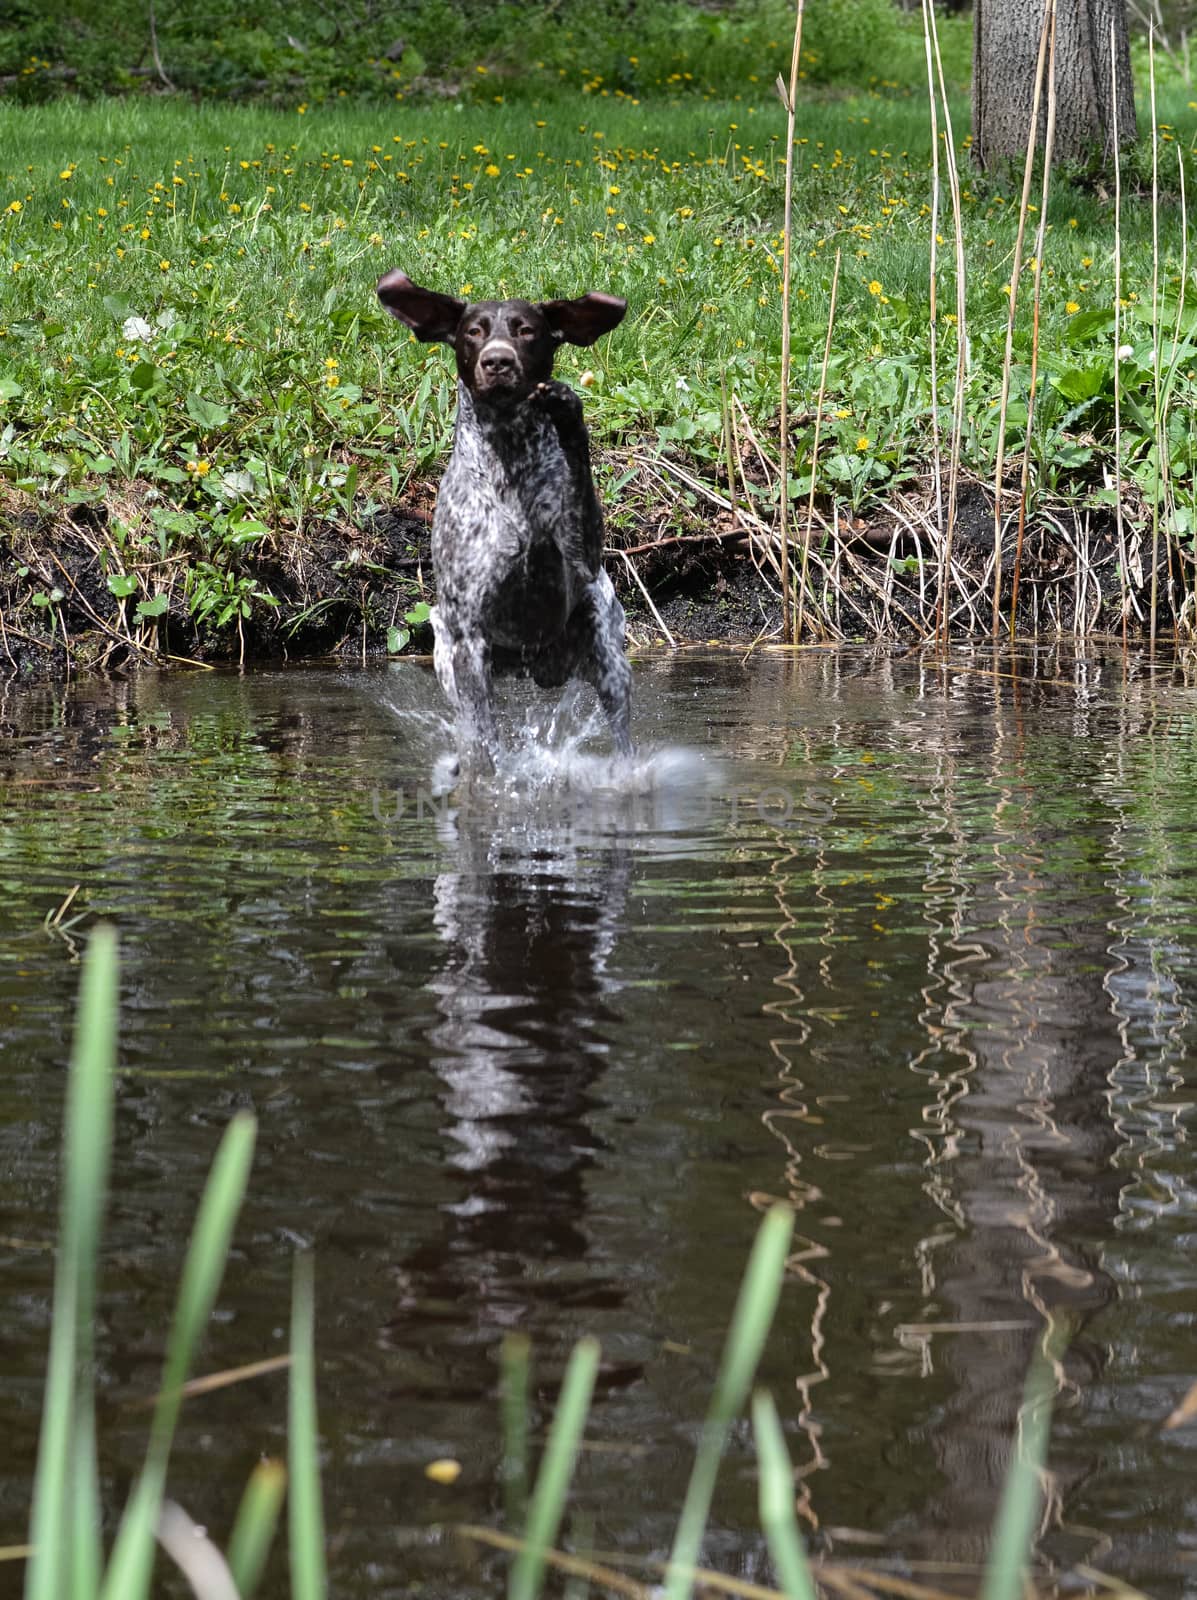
[{"x": 518, "y": 531}]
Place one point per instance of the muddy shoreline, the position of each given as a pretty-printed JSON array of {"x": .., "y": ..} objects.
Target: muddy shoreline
[{"x": 689, "y": 569}]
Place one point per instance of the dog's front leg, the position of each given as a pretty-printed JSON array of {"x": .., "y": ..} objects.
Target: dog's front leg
[
  {"x": 463, "y": 667},
  {"x": 597, "y": 654}
]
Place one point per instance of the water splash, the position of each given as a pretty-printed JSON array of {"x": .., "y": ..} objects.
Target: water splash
[{"x": 555, "y": 766}]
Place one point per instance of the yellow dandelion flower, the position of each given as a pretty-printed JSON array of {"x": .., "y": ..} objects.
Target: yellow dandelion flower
[
  {"x": 863, "y": 442},
  {"x": 491, "y": 170},
  {"x": 874, "y": 287},
  {"x": 1072, "y": 307}
]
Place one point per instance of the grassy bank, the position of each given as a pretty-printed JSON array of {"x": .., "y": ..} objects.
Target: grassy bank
[{"x": 206, "y": 423}]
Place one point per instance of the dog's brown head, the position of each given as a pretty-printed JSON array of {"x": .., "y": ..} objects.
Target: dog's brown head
[{"x": 504, "y": 348}]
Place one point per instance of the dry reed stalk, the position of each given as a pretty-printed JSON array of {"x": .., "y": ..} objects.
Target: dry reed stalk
[
  {"x": 1184, "y": 251},
  {"x": 763, "y": 461},
  {"x": 762, "y": 540},
  {"x": 1161, "y": 443},
  {"x": 897, "y": 508},
  {"x": 1123, "y": 572},
  {"x": 728, "y": 449},
  {"x": 783, "y": 497},
  {"x": 933, "y": 329},
  {"x": 648, "y": 600},
  {"x": 814, "y": 455},
  {"x": 961, "y": 332},
  {"x": 844, "y": 555},
  {"x": 1049, "y": 139},
  {"x": 1081, "y": 587},
  {"x": 1180, "y": 305},
  {"x": 1015, "y": 275}
]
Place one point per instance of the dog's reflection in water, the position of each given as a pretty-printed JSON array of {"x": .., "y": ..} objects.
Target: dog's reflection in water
[{"x": 530, "y": 904}]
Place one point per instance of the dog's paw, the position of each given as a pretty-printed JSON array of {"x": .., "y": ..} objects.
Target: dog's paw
[{"x": 559, "y": 400}]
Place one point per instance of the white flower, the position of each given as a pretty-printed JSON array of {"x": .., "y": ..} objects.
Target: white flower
[
  {"x": 682, "y": 384},
  {"x": 1125, "y": 352},
  {"x": 136, "y": 328}
]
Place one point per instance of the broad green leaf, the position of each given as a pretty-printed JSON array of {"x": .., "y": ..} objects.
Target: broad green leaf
[
  {"x": 206, "y": 413},
  {"x": 1080, "y": 383}
]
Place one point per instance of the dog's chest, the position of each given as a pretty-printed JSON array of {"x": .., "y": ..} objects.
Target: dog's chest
[{"x": 500, "y": 496}]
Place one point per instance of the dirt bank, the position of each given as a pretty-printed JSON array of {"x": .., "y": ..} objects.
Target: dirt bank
[{"x": 92, "y": 585}]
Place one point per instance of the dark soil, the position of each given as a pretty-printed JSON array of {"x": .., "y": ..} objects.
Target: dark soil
[{"x": 339, "y": 589}]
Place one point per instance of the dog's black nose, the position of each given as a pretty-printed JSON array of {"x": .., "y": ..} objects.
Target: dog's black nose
[{"x": 497, "y": 362}]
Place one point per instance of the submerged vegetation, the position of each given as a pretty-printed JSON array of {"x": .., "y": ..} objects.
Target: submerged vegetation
[{"x": 212, "y": 440}]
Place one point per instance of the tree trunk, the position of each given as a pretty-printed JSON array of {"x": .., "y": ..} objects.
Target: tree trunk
[{"x": 1005, "y": 49}]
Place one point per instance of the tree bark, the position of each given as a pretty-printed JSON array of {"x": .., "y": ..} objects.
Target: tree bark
[{"x": 1005, "y": 47}]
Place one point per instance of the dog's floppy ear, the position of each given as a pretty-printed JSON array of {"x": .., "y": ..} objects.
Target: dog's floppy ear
[
  {"x": 586, "y": 319},
  {"x": 428, "y": 314}
]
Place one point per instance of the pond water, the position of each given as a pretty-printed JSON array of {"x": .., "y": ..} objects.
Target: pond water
[{"x": 908, "y": 942}]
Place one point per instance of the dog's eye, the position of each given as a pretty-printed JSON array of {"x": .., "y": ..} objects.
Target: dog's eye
[
  {"x": 525, "y": 333},
  {"x": 474, "y": 333}
]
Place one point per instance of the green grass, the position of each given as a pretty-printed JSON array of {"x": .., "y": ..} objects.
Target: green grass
[
  {"x": 272, "y": 403},
  {"x": 287, "y": 50}
]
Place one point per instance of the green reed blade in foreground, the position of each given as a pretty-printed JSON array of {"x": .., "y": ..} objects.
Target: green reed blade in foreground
[
  {"x": 1018, "y": 1515},
  {"x": 65, "y": 1494},
  {"x": 309, "y": 1581},
  {"x": 777, "y": 1501},
  {"x": 128, "y": 1573},
  {"x": 745, "y": 1340},
  {"x": 254, "y": 1529},
  {"x": 515, "y": 1364},
  {"x": 556, "y": 1469},
  {"x": 87, "y": 1553}
]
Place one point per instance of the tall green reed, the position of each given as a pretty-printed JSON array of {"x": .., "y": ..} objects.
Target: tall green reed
[{"x": 66, "y": 1560}]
